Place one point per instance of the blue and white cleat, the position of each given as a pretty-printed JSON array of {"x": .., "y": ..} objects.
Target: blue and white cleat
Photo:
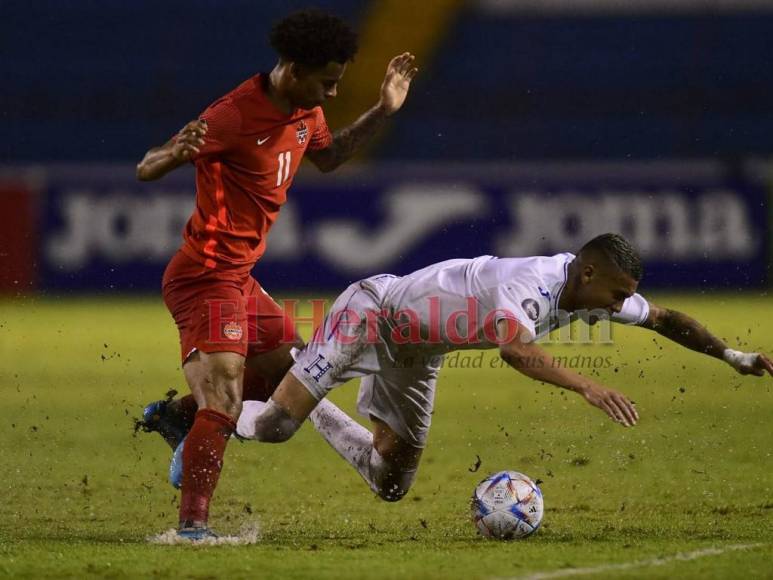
[
  {"x": 165, "y": 418},
  {"x": 176, "y": 466},
  {"x": 196, "y": 534},
  {"x": 152, "y": 412}
]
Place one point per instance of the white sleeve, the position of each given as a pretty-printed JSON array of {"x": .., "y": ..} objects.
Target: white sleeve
[
  {"x": 635, "y": 310},
  {"x": 514, "y": 301}
]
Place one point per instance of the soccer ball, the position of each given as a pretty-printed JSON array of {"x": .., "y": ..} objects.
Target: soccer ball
[{"x": 507, "y": 505}]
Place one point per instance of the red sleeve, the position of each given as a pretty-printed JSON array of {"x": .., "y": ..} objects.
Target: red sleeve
[
  {"x": 223, "y": 122},
  {"x": 321, "y": 138}
]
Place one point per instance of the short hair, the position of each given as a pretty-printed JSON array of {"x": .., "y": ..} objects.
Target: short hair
[
  {"x": 619, "y": 251},
  {"x": 313, "y": 38}
]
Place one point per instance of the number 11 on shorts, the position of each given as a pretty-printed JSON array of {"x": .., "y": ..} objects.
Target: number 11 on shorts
[{"x": 284, "y": 168}]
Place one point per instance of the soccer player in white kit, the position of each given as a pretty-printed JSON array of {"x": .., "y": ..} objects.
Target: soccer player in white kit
[{"x": 392, "y": 332}]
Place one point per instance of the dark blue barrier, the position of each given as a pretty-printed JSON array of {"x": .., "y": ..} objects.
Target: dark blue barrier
[
  {"x": 695, "y": 225},
  {"x": 673, "y": 83}
]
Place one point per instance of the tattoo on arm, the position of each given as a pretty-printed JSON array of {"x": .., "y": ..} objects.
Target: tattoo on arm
[
  {"x": 350, "y": 140},
  {"x": 688, "y": 332}
]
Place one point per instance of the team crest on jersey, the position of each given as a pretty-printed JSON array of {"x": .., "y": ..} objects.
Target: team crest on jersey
[
  {"x": 233, "y": 331},
  {"x": 531, "y": 308},
  {"x": 302, "y": 131}
]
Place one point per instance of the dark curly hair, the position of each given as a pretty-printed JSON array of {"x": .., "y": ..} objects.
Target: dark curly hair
[
  {"x": 619, "y": 252},
  {"x": 313, "y": 38}
]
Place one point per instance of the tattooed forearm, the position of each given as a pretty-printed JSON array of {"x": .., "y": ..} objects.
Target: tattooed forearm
[
  {"x": 349, "y": 140},
  {"x": 688, "y": 332}
]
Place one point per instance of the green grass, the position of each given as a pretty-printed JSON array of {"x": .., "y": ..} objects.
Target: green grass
[{"x": 80, "y": 493}]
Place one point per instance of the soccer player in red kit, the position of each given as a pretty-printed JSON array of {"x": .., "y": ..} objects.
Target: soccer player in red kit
[{"x": 246, "y": 148}]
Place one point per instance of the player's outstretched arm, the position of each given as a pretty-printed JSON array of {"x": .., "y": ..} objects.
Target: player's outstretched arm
[
  {"x": 161, "y": 160},
  {"x": 691, "y": 334},
  {"x": 349, "y": 140},
  {"x": 536, "y": 363}
]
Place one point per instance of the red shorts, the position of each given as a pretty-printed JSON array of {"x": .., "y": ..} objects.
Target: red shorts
[{"x": 218, "y": 310}]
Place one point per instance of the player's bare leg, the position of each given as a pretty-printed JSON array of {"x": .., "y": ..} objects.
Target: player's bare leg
[
  {"x": 215, "y": 380},
  {"x": 386, "y": 462},
  {"x": 173, "y": 418},
  {"x": 270, "y": 366}
]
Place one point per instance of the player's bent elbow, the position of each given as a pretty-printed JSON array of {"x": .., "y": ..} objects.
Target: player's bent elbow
[
  {"x": 140, "y": 173},
  {"x": 324, "y": 160},
  {"x": 143, "y": 174},
  {"x": 327, "y": 167}
]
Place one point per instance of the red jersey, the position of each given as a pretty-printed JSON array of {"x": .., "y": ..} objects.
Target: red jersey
[{"x": 250, "y": 155}]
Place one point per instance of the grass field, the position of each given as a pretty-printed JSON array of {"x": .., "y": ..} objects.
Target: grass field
[{"x": 688, "y": 493}]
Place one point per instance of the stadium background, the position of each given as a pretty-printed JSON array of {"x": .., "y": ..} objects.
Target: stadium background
[{"x": 532, "y": 126}]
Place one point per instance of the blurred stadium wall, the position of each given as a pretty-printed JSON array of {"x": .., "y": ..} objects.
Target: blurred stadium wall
[{"x": 533, "y": 126}]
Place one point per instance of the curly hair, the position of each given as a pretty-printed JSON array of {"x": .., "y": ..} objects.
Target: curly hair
[
  {"x": 619, "y": 252},
  {"x": 313, "y": 38}
]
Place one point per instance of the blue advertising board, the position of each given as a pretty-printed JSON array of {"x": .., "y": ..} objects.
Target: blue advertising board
[{"x": 696, "y": 225}]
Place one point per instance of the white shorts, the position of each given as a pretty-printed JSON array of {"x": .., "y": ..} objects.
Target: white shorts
[{"x": 397, "y": 388}]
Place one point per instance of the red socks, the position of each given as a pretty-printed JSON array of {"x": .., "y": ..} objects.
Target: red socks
[
  {"x": 202, "y": 462},
  {"x": 205, "y": 447}
]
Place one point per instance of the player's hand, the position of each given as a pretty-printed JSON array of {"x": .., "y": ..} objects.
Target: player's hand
[
  {"x": 189, "y": 139},
  {"x": 613, "y": 403},
  {"x": 397, "y": 81}
]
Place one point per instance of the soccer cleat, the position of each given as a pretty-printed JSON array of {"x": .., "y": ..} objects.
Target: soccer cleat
[
  {"x": 176, "y": 466},
  {"x": 164, "y": 418},
  {"x": 196, "y": 534}
]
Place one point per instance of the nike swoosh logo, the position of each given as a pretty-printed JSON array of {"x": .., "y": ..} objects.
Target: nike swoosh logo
[{"x": 261, "y": 141}]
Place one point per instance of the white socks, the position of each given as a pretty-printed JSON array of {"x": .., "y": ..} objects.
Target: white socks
[
  {"x": 354, "y": 443},
  {"x": 245, "y": 425},
  {"x": 351, "y": 440},
  {"x": 740, "y": 361}
]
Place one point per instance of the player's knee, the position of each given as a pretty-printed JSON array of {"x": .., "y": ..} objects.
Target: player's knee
[
  {"x": 274, "y": 424},
  {"x": 226, "y": 401},
  {"x": 223, "y": 385},
  {"x": 226, "y": 371},
  {"x": 395, "y": 482},
  {"x": 393, "y": 492},
  {"x": 233, "y": 408}
]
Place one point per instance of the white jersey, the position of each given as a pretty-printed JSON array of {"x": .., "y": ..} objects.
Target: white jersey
[
  {"x": 418, "y": 318},
  {"x": 467, "y": 297}
]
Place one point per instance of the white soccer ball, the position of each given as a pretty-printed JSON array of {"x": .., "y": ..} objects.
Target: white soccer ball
[{"x": 506, "y": 506}]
